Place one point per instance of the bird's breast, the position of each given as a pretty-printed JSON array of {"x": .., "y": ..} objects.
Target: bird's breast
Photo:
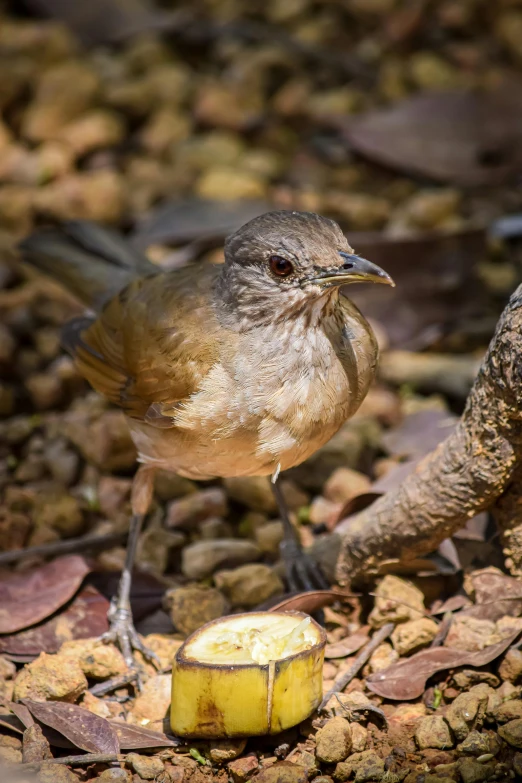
[
  {"x": 281, "y": 394},
  {"x": 324, "y": 374}
]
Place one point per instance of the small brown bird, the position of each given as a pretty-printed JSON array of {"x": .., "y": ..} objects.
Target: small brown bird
[{"x": 244, "y": 369}]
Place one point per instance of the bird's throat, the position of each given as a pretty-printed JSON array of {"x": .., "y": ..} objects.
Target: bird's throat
[{"x": 256, "y": 305}]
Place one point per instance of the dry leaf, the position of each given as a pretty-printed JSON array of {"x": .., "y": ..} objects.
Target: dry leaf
[
  {"x": 496, "y": 595},
  {"x": 105, "y": 21},
  {"x": 135, "y": 737},
  {"x": 176, "y": 222},
  {"x": 354, "y": 506},
  {"x": 469, "y": 138},
  {"x": 419, "y": 433},
  {"x": 22, "y": 714},
  {"x": 29, "y": 597},
  {"x": 453, "y": 604},
  {"x": 81, "y": 727},
  {"x": 437, "y": 286},
  {"x": 407, "y": 679},
  {"x": 308, "y": 602},
  {"x": 26, "y": 719},
  {"x": 406, "y": 437},
  {"x": 84, "y": 618},
  {"x": 146, "y": 592},
  {"x": 12, "y": 723},
  {"x": 345, "y": 647},
  {"x": 475, "y": 530}
]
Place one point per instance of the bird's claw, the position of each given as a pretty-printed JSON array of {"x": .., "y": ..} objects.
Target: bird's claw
[
  {"x": 123, "y": 634},
  {"x": 302, "y": 571}
]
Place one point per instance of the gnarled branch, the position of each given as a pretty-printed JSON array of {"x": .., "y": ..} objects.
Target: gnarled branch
[{"x": 466, "y": 474}]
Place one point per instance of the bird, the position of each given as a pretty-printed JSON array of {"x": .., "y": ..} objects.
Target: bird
[{"x": 244, "y": 368}]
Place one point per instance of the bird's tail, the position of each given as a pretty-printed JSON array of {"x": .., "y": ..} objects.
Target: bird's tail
[{"x": 91, "y": 262}]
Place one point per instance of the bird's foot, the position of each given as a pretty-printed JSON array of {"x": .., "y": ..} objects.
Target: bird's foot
[
  {"x": 302, "y": 571},
  {"x": 123, "y": 634}
]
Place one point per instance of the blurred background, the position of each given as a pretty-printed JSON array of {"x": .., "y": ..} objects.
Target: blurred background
[{"x": 176, "y": 122}]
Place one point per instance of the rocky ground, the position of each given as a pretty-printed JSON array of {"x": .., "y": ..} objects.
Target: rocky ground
[
  {"x": 392, "y": 722},
  {"x": 231, "y": 122}
]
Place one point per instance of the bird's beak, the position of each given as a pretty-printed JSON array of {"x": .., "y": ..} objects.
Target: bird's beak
[{"x": 353, "y": 269}]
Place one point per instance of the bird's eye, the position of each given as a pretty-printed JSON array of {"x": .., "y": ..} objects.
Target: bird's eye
[{"x": 280, "y": 266}]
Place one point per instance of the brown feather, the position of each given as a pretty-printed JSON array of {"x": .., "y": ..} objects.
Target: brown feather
[{"x": 154, "y": 351}]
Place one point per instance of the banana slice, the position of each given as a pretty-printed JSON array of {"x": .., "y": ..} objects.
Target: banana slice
[{"x": 247, "y": 674}]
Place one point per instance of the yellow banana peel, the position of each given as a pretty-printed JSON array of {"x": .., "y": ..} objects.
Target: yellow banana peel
[{"x": 247, "y": 675}]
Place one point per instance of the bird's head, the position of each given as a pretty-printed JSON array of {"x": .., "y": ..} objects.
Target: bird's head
[{"x": 285, "y": 260}]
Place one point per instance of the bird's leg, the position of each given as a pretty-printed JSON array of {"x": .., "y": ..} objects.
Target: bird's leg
[
  {"x": 302, "y": 572},
  {"x": 122, "y": 631}
]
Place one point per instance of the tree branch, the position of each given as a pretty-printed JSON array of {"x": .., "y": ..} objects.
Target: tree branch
[
  {"x": 507, "y": 513},
  {"x": 463, "y": 476}
]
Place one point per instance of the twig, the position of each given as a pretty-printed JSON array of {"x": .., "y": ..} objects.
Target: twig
[
  {"x": 368, "y": 708},
  {"x": 444, "y": 627},
  {"x": 342, "y": 681},
  {"x": 114, "y": 683},
  {"x": 91, "y": 758},
  {"x": 79, "y": 544},
  {"x": 84, "y": 759}
]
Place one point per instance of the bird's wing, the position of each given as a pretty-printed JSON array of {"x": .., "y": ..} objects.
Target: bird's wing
[{"x": 153, "y": 344}]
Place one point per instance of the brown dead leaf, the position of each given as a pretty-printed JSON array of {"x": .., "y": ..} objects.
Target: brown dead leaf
[
  {"x": 346, "y": 647},
  {"x": 468, "y": 138},
  {"x": 11, "y": 722},
  {"x": 135, "y": 737},
  {"x": 407, "y": 679},
  {"x": 84, "y": 618},
  {"x": 431, "y": 565},
  {"x": 419, "y": 433},
  {"x": 390, "y": 481},
  {"x": 453, "y": 604},
  {"x": 81, "y": 727},
  {"x": 22, "y": 714},
  {"x": 146, "y": 592},
  {"x": 437, "y": 286},
  {"x": 189, "y": 220},
  {"x": 29, "y": 597},
  {"x": 106, "y": 21},
  {"x": 496, "y": 594},
  {"x": 354, "y": 506},
  {"x": 475, "y": 529},
  {"x": 386, "y": 483},
  {"x": 308, "y": 602}
]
